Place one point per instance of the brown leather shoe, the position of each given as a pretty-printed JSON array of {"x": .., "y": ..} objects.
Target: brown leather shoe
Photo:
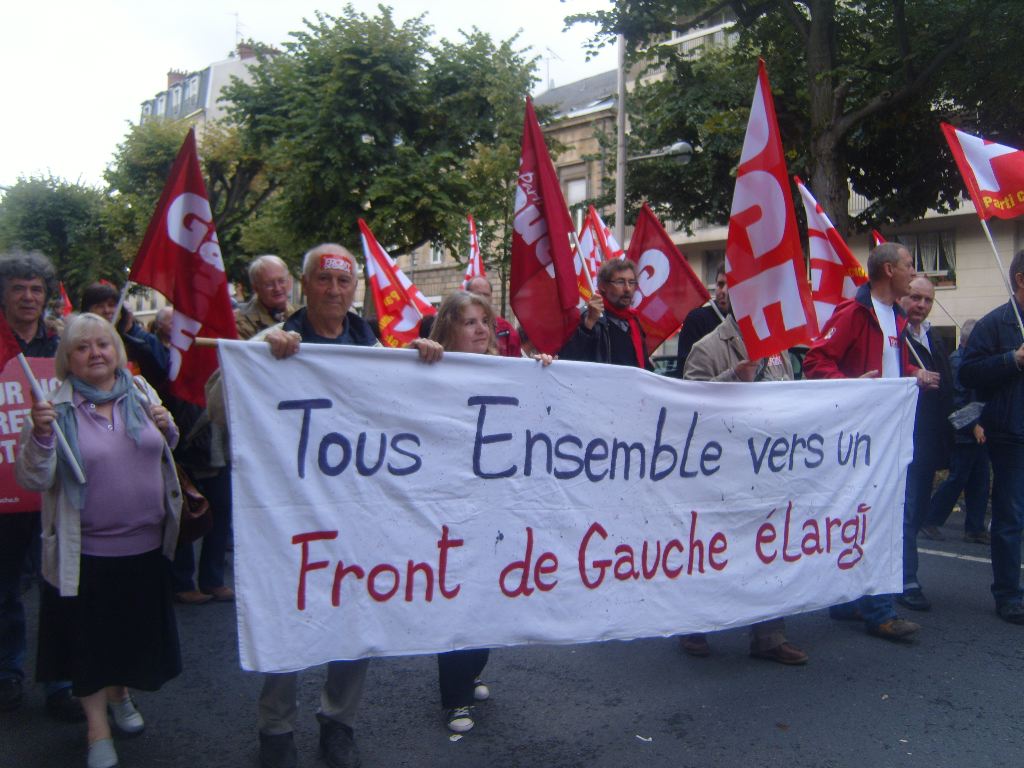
[
  {"x": 897, "y": 630},
  {"x": 786, "y": 653},
  {"x": 221, "y": 594},
  {"x": 695, "y": 645},
  {"x": 931, "y": 532},
  {"x": 192, "y": 597},
  {"x": 979, "y": 537}
]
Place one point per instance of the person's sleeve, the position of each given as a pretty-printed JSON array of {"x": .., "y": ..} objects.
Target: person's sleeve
[
  {"x": 985, "y": 368},
  {"x": 582, "y": 345},
  {"x": 35, "y": 467},
  {"x": 822, "y": 360},
  {"x": 700, "y": 367},
  {"x": 688, "y": 336}
]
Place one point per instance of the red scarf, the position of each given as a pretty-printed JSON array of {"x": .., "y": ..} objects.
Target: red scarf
[{"x": 629, "y": 316}]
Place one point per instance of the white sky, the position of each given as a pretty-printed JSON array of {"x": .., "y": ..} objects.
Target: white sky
[{"x": 76, "y": 73}]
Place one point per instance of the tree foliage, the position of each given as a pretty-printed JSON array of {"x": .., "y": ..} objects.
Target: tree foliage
[{"x": 859, "y": 87}]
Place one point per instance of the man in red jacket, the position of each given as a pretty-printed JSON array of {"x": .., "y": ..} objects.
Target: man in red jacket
[{"x": 864, "y": 339}]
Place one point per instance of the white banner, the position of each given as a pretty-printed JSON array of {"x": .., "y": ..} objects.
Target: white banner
[{"x": 383, "y": 506}]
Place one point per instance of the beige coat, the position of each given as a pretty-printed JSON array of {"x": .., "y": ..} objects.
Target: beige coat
[
  {"x": 714, "y": 357},
  {"x": 36, "y": 470}
]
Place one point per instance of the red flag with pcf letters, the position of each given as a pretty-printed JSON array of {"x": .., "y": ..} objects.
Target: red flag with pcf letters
[
  {"x": 400, "y": 305},
  {"x": 993, "y": 173},
  {"x": 764, "y": 261},
  {"x": 180, "y": 257},
  {"x": 543, "y": 282},
  {"x": 667, "y": 289}
]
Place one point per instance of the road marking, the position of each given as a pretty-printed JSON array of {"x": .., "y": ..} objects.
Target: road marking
[{"x": 956, "y": 556}]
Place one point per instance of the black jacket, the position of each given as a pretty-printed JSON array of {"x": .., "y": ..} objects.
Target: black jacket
[
  {"x": 989, "y": 367},
  {"x": 595, "y": 345}
]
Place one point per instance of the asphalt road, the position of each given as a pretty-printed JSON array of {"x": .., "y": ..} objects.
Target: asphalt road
[{"x": 951, "y": 699}]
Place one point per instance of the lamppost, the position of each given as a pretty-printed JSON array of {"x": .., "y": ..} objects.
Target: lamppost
[{"x": 680, "y": 150}]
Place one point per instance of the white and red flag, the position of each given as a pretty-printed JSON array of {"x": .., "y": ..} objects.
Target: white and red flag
[
  {"x": 400, "y": 305},
  {"x": 835, "y": 271},
  {"x": 667, "y": 289},
  {"x": 180, "y": 257},
  {"x": 543, "y": 285},
  {"x": 764, "y": 261},
  {"x": 876, "y": 238},
  {"x": 993, "y": 173},
  {"x": 597, "y": 245},
  {"x": 66, "y": 307},
  {"x": 475, "y": 267}
]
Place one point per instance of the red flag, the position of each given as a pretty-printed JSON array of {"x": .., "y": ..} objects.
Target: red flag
[
  {"x": 764, "y": 261},
  {"x": 667, "y": 289},
  {"x": 65, "y": 303},
  {"x": 400, "y": 305},
  {"x": 180, "y": 258},
  {"x": 543, "y": 284},
  {"x": 876, "y": 238},
  {"x": 475, "y": 266},
  {"x": 9, "y": 346},
  {"x": 835, "y": 271},
  {"x": 993, "y": 173}
]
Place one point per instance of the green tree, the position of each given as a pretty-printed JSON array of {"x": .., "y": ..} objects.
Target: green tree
[
  {"x": 364, "y": 117},
  {"x": 67, "y": 222},
  {"x": 859, "y": 88}
]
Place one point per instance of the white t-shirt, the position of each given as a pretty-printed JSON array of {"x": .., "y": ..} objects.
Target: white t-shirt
[{"x": 890, "y": 340}]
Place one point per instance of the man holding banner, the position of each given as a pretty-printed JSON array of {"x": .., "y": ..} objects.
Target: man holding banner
[
  {"x": 993, "y": 363},
  {"x": 862, "y": 339}
]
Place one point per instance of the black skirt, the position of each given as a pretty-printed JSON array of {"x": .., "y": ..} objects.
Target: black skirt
[{"x": 119, "y": 629}]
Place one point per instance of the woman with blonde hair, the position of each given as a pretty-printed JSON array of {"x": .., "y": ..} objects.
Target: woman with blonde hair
[{"x": 106, "y": 613}]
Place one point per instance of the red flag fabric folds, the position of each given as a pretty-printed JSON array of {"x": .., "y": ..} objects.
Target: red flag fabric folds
[
  {"x": 993, "y": 173},
  {"x": 180, "y": 257},
  {"x": 65, "y": 303},
  {"x": 667, "y": 289},
  {"x": 835, "y": 271},
  {"x": 876, "y": 238},
  {"x": 543, "y": 285},
  {"x": 764, "y": 262},
  {"x": 400, "y": 305},
  {"x": 9, "y": 347},
  {"x": 475, "y": 267}
]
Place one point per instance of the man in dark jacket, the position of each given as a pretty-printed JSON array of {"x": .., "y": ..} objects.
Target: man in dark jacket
[
  {"x": 862, "y": 339},
  {"x": 993, "y": 364},
  {"x": 701, "y": 321},
  {"x": 933, "y": 434},
  {"x": 610, "y": 331}
]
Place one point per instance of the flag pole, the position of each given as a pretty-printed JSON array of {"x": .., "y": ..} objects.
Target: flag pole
[
  {"x": 718, "y": 312},
  {"x": 948, "y": 314},
  {"x": 120, "y": 303},
  {"x": 37, "y": 391},
  {"x": 917, "y": 357},
  {"x": 1003, "y": 274}
]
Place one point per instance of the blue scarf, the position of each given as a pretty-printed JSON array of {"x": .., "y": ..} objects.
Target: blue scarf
[{"x": 133, "y": 414}]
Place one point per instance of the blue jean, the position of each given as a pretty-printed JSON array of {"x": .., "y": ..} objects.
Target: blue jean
[
  {"x": 875, "y": 610},
  {"x": 969, "y": 473},
  {"x": 1007, "y": 517},
  {"x": 920, "y": 475},
  {"x": 217, "y": 490},
  {"x": 17, "y": 532}
]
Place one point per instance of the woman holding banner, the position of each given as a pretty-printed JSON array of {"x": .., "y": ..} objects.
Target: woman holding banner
[
  {"x": 106, "y": 615},
  {"x": 465, "y": 323}
]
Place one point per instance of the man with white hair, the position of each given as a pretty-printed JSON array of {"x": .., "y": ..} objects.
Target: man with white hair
[{"x": 272, "y": 286}]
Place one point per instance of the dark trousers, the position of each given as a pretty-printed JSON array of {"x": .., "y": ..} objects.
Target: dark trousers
[
  {"x": 217, "y": 490},
  {"x": 456, "y": 672},
  {"x": 968, "y": 473},
  {"x": 18, "y": 531},
  {"x": 920, "y": 475},
  {"x": 1007, "y": 517}
]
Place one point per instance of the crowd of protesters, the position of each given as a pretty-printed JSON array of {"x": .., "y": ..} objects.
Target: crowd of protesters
[{"x": 103, "y": 447}]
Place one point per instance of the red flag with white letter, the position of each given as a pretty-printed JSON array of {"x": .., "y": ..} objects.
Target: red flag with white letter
[
  {"x": 475, "y": 267},
  {"x": 835, "y": 271},
  {"x": 180, "y": 258},
  {"x": 993, "y": 173},
  {"x": 764, "y": 262},
  {"x": 876, "y": 238},
  {"x": 400, "y": 305},
  {"x": 667, "y": 289},
  {"x": 543, "y": 283}
]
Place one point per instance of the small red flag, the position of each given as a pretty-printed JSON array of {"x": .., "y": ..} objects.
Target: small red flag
[
  {"x": 835, "y": 271},
  {"x": 876, "y": 238},
  {"x": 65, "y": 303},
  {"x": 475, "y": 266},
  {"x": 180, "y": 257},
  {"x": 764, "y": 260},
  {"x": 543, "y": 284},
  {"x": 400, "y": 305},
  {"x": 667, "y": 289},
  {"x": 993, "y": 173}
]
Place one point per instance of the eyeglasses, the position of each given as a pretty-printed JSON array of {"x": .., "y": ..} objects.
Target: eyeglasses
[{"x": 622, "y": 283}]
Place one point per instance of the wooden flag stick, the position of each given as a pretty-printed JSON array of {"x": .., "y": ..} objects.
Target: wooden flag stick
[
  {"x": 1003, "y": 274},
  {"x": 62, "y": 441},
  {"x": 948, "y": 314},
  {"x": 910, "y": 346},
  {"x": 120, "y": 302}
]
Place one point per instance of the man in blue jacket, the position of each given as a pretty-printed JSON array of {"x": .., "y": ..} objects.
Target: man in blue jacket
[{"x": 993, "y": 364}]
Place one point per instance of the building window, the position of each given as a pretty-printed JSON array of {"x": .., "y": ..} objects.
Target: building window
[
  {"x": 192, "y": 89},
  {"x": 436, "y": 254},
  {"x": 713, "y": 259},
  {"x": 934, "y": 253},
  {"x": 575, "y": 197},
  {"x": 161, "y": 104},
  {"x": 176, "y": 99}
]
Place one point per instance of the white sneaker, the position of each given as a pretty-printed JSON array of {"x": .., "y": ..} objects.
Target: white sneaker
[
  {"x": 480, "y": 690},
  {"x": 102, "y": 754},
  {"x": 460, "y": 719},
  {"x": 127, "y": 718}
]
